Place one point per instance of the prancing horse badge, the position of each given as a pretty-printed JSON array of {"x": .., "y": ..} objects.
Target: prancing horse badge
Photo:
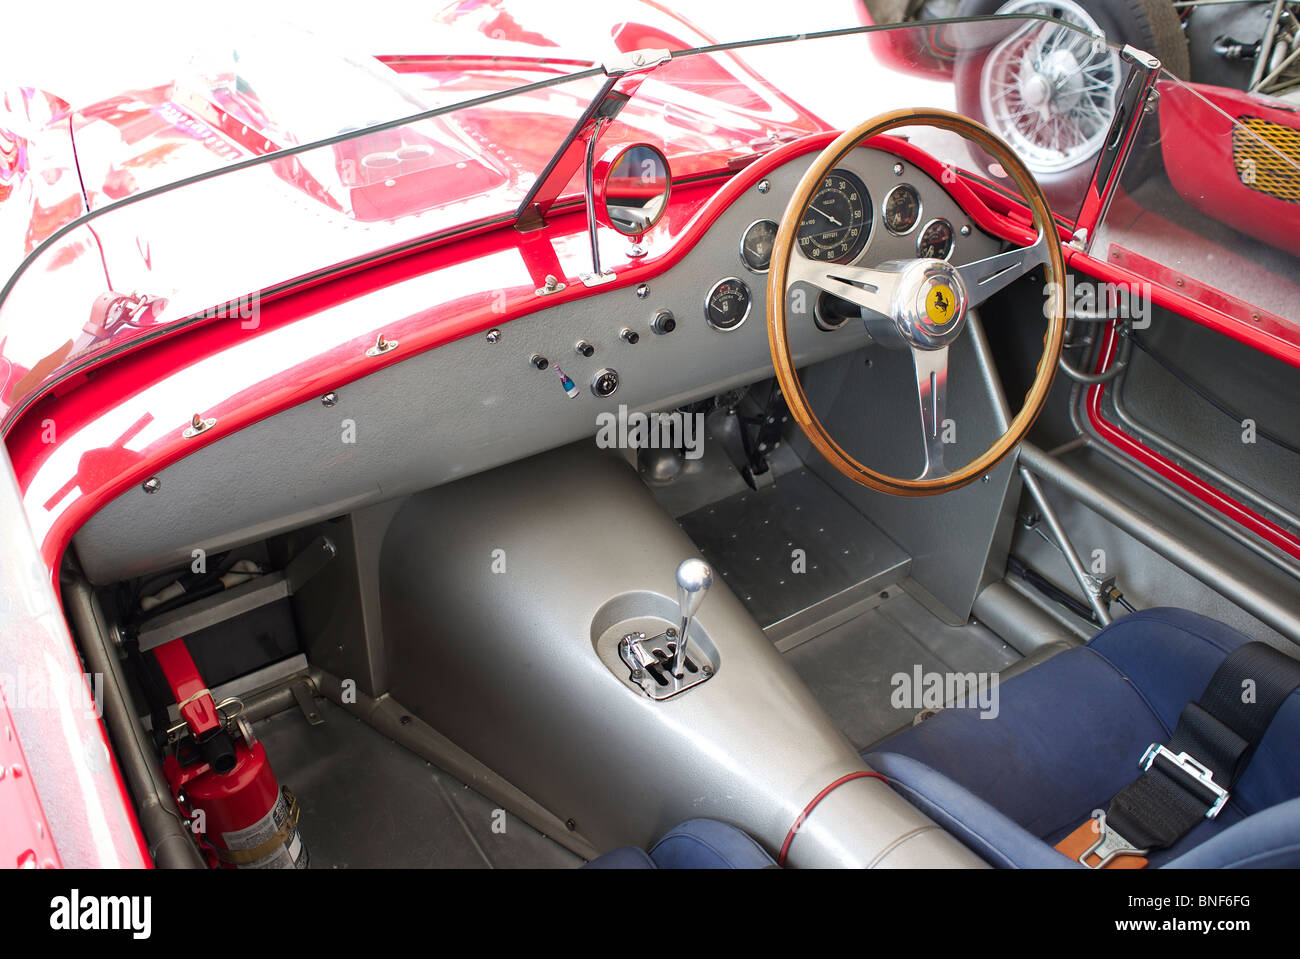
[{"x": 940, "y": 304}]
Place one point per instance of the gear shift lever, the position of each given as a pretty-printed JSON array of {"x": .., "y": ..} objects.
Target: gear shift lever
[{"x": 694, "y": 577}]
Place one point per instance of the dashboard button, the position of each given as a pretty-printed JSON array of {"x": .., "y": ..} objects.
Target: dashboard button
[{"x": 664, "y": 322}]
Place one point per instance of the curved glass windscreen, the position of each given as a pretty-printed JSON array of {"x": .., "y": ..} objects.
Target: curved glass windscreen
[{"x": 257, "y": 169}]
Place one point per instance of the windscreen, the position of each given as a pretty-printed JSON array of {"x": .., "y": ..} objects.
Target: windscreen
[
  {"x": 151, "y": 254},
  {"x": 1210, "y": 205}
]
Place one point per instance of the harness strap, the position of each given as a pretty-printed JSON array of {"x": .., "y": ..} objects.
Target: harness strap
[{"x": 1189, "y": 779}]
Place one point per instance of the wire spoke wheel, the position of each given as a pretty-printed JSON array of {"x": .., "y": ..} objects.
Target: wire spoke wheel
[{"x": 1050, "y": 91}]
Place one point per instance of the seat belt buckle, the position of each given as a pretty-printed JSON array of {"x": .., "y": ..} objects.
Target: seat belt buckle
[
  {"x": 1108, "y": 845},
  {"x": 1186, "y": 764}
]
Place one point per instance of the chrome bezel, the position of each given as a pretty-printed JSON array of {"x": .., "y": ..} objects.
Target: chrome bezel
[
  {"x": 920, "y": 209},
  {"x": 744, "y": 233},
  {"x": 869, "y": 224},
  {"x": 952, "y": 236},
  {"x": 821, "y": 322},
  {"x": 749, "y": 305},
  {"x": 596, "y": 378}
]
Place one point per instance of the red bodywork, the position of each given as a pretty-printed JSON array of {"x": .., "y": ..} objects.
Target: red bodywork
[{"x": 1196, "y": 138}]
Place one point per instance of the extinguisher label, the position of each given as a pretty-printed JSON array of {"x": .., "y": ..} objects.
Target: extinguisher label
[{"x": 290, "y": 854}]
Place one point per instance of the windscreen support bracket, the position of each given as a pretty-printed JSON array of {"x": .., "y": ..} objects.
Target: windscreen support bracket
[{"x": 1139, "y": 86}]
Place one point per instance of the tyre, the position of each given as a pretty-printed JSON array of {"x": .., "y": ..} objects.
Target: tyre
[{"x": 1050, "y": 93}]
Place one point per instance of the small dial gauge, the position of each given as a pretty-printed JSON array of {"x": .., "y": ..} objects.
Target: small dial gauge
[
  {"x": 756, "y": 246},
  {"x": 902, "y": 209},
  {"x": 935, "y": 241},
  {"x": 727, "y": 304},
  {"x": 837, "y": 221}
]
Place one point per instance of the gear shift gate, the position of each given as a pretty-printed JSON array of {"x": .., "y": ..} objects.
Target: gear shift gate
[{"x": 661, "y": 665}]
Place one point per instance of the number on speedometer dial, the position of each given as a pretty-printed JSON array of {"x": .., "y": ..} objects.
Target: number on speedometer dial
[{"x": 837, "y": 222}]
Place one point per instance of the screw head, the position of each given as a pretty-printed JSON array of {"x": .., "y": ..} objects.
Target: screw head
[
  {"x": 329, "y": 399},
  {"x": 493, "y": 336},
  {"x": 152, "y": 485},
  {"x": 764, "y": 185},
  {"x": 570, "y": 825},
  {"x": 642, "y": 291},
  {"x": 965, "y": 230},
  {"x": 898, "y": 169},
  {"x": 707, "y": 670}
]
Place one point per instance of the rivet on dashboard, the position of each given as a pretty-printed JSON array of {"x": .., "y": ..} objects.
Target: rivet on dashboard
[
  {"x": 381, "y": 346},
  {"x": 152, "y": 485},
  {"x": 898, "y": 169},
  {"x": 494, "y": 336},
  {"x": 642, "y": 291},
  {"x": 329, "y": 399},
  {"x": 764, "y": 185},
  {"x": 199, "y": 425},
  {"x": 965, "y": 230}
]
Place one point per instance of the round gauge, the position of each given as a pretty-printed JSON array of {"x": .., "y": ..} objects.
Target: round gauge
[
  {"x": 935, "y": 241},
  {"x": 902, "y": 209},
  {"x": 727, "y": 304},
  {"x": 837, "y": 221},
  {"x": 756, "y": 246}
]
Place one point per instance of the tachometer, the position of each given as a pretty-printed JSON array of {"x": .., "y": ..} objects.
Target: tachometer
[
  {"x": 901, "y": 209},
  {"x": 727, "y": 304},
  {"x": 837, "y": 222},
  {"x": 935, "y": 240},
  {"x": 756, "y": 246}
]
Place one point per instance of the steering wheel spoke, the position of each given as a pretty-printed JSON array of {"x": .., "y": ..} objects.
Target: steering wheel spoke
[
  {"x": 985, "y": 277},
  {"x": 862, "y": 286},
  {"x": 932, "y": 395}
]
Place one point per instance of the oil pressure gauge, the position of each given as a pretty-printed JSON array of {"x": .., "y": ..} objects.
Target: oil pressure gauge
[
  {"x": 756, "y": 246},
  {"x": 935, "y": 241},
  {"x": 727, "y": 304},
  {"x": 901, "y": 209}
]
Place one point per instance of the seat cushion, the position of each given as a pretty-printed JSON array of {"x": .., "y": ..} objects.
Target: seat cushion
[
  {"x": 695, "y": 844},
  {"x": 1068, "y": 735}
]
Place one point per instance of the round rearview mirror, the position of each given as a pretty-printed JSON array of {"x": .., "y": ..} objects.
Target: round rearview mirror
[{"x": 632, "y": 185}]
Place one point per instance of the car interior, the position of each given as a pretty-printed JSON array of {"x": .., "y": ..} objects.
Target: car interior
[{"x": 805, "y": 550}]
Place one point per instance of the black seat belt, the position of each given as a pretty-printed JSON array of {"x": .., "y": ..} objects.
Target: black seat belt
[{"x": 1189, "y": 779}]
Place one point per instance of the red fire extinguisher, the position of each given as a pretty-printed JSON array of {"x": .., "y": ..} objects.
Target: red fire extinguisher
[{"x": 222, "y": 780}]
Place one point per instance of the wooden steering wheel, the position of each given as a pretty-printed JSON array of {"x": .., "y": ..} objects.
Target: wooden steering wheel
[{"x": 918, "y": 305}]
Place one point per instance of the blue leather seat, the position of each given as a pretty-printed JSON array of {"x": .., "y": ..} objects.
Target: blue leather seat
[
  {"x": 695, "y": 844},
  {"x": 1068, "y": 735}
]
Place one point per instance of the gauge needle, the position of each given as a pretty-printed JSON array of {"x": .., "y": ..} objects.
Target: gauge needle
[{"x": 827, "y": 215}]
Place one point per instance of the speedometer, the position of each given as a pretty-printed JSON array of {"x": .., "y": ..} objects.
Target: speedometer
[{"x": 837, "y": 221}]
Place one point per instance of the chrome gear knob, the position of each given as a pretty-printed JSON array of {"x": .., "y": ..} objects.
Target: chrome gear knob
[{"x": 694, "y": 577}]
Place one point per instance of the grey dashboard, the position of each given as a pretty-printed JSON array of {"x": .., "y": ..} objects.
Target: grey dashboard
[{"x": 482, "y": 401}]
